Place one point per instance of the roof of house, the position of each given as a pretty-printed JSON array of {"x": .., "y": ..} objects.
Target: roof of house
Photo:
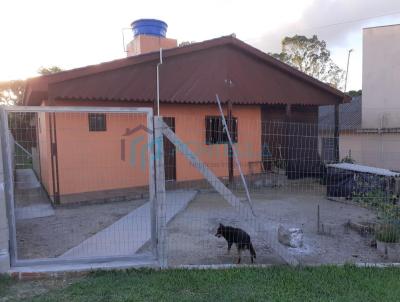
[
  {"x": 189, "y": 74},
  {"x": 349, "y": 115}
]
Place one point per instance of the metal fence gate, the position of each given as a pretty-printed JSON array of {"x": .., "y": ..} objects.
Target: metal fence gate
[{"x": 79, "y": 184}]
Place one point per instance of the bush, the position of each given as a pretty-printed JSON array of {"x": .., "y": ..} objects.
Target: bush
[
  {"x": 388, "y": 233},
  {"x": 386, "y": 205}
]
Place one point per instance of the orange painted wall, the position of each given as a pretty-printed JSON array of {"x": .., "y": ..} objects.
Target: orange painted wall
[
  {"x": 190, "y": 127},
  {"x": 91, "y": 161},
  {"x": 44, "y": 149}
]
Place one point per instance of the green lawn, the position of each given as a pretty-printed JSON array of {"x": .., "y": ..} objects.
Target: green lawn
[{"x": 247, "y": 284}]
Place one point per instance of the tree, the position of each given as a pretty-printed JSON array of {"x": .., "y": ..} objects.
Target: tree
[
  {"x": 186, "y": 43},
  {"x": 48, "y": 70},
  {"x": 354, "y": 93},
  {"x": 311, "y": 56},
  {"x": 12, "y": 92}
]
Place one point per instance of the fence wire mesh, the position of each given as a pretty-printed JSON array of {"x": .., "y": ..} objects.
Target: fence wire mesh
[
  {"x": 317, "y": 198},
  {"x": 81, "y": 184}
]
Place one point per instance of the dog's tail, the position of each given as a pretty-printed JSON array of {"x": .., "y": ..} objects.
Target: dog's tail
[{"x": 252, "y": 251}]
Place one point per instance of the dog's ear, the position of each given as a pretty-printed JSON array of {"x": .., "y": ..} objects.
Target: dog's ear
[{"x": 221, "y": 225}]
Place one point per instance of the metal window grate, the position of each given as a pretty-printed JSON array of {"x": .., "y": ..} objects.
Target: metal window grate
[
  {"x": 97, "y": 122},
  {"x": 215, "y": 133}
]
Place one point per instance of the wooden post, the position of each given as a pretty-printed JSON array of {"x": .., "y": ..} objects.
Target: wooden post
[
  {"x": 230, "y": 152},
  {"x": 160, "y": 203},
  {"x": 336, "y": 134}
]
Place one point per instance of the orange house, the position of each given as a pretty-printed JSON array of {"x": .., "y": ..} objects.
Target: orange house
[{"x": 85, "y": 156}]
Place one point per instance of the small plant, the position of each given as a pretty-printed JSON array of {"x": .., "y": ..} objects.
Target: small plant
[
  {"x": 372, "y": 198},
  {"x": 348, "y": 159},
  {"x": 389, "y": 233}
]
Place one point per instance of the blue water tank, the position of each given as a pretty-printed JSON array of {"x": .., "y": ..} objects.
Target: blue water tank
[{"x": 151, "y": 27}]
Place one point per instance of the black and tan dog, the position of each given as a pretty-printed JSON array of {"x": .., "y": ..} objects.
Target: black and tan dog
[{"x": 239, "y": 237}]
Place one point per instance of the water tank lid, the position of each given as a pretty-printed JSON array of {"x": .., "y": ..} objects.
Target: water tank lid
[{"x": 151, "y": 27}]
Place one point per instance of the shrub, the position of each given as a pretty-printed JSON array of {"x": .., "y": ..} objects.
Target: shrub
[{"x": 388, "y": 233}]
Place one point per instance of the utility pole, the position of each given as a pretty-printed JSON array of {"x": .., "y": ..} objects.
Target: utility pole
[{"x": 347, "y": 68}]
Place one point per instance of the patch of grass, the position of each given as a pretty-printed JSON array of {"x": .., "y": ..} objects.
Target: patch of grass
[
  {"x": 388, "y": 233},
  {"x": 5, "y": 283},
  {"x": 327, "y": 283}
]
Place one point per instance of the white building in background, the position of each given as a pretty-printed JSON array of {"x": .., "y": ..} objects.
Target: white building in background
[
  {"x": 381, "y": 77},
  {"x": 370, "y": 125}
]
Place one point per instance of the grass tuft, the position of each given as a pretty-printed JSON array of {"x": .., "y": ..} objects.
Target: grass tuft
[{"x": 325, "y": 283}]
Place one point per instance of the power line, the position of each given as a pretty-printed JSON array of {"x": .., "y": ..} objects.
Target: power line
[
  {"x": 335, "y": 24},
  {"x": 352, "y": 21}
]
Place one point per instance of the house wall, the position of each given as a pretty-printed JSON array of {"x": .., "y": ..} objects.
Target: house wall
[
  {"x": 93, "y": 161},
  {"x": 381, "y": 73},
  {"x": 190, "y": 127},
  {"x": 377, "y": 150},
  {"x": 44, "y": 151}
]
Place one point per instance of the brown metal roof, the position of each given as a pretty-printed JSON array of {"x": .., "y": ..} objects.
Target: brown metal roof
[{"x": 189, "y": 74}]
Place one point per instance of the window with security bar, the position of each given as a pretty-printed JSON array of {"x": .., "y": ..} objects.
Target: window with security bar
[
  {"x": 97, "y": 122},
  {"x": 215, "y": 132}
]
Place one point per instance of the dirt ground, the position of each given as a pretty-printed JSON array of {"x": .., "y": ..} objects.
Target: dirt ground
[
  {"x": 26, "y": 290},
  {"x": 191, "y": 237},
  {"x": 54, "y": 235}
]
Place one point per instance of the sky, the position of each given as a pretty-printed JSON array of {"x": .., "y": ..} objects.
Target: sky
[{"x": 75, "y": 33}]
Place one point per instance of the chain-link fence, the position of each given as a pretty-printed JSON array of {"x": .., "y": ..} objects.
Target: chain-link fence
[
  {"x": 80, "y": 184},
  {"x": 314, "y": 198},
  {"x": 283, "y": 192}
]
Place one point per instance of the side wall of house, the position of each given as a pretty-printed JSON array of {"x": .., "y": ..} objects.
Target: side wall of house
[
  {"x": 110, "y": 160},
  {"x": 44, "y": 152},
  {"x": 91, "y": 161}
]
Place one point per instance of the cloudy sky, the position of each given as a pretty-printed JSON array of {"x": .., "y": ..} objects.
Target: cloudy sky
[{"x": 74, "y": 33}]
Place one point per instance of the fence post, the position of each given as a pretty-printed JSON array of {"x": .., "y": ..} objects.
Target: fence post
[
  {"x": 152, "y": 185},
  {"x": 336, "y": 134},
  {"x": 4, "y": 225},
  {"x": 160, "y": 191}
]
